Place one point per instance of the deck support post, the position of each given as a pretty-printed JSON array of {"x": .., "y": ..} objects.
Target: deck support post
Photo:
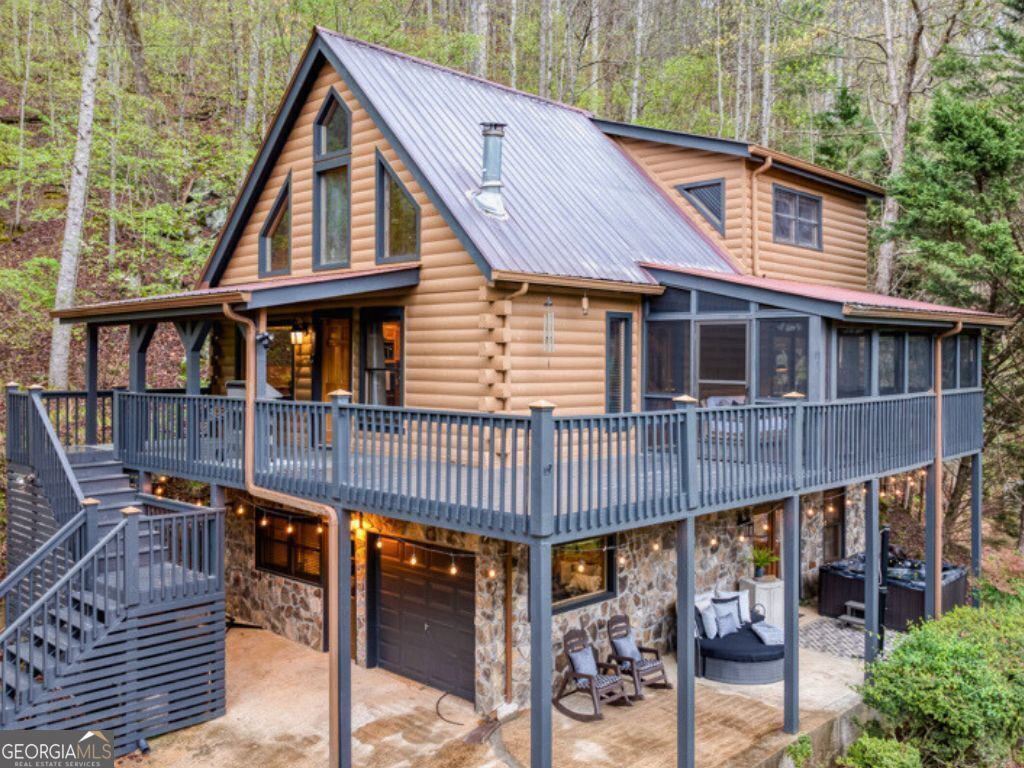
[
  {"x": 872, "y": 577},
  {"x": 193, "y": 335},
  {"x": 791, "y": 574},
  {"x": 977, "y": 493},
  {"x": 92, "y": 356},
  {"x": 686, "y": 660},
  {"x": 131, "y": 555},
  {"x": 341, "y": 436},
  {"x": 540, "y": 654},
  {"x": 340, "y": 641},
  {"x": 139, "y": 337},
  {"x": 932, "y": 569},
  {"x": 689, "y": 457}
]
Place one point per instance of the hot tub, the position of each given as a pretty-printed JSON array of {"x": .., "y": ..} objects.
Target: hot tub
[{"x": 843, "y": 580}]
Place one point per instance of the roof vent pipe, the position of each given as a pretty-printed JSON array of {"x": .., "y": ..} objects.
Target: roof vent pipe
[{"x": 489, "y": 198}]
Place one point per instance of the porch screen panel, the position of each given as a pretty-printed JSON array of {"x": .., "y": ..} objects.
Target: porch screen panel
[
  {"x": 890, "y": 363},
  {"x": 281, "y": 361},
  {"x": 617, "y": 365},
  {"x": 919, "y": 362},
  {"x": 949, "y": 362},
  {"x": 722, "y": 361},
  {"x": 667, "y": 365},
  {"x": 782, "y": 357},
  {"x": 854, "y": 364},
  {"x": 968, "y": 361}
]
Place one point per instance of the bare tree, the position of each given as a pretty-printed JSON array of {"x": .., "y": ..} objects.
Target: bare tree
[
  {"x": 22, "y": 102},
  {"x": 638, "y": 43},
  {"x": 481, "y": 30},
  {"x": 543, "y": 52},
  {"x": 71, "y": 248},
  {"x": 767, "y": 94},
  {"x": 513, "y": 54}
]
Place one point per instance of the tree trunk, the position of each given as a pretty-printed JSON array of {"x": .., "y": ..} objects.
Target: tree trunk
[
  {"x": 22, "y": 102},
  {"x": 595, "y": 56},
  {"x": 542, "y": 59},
  {"x": 957, "y": 495},
  {"x": 252, "y": 83},
  {"x": 513, "y": 51},
  {"x": 71, "y": 249},
  {"x": 766, "y": 79},
  {"x": 718, "y": 69},
  {"x": 114, "y": 74},
  {"x": 638, "y": 43},
  {"x": 481, "y": 30}
]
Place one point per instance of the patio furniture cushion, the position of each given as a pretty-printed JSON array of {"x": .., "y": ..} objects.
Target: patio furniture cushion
[
  {"x": 742, "y": 645},
  {"x": 583, "y": 661},
  {"x": 744, "y": 603},
  {"x": 769, "y": 633},
  {"x": 707, "y": 622},
  {"x": 602, "y": 681},
  {"x": 727, "y": 610},
  {"x": 626, "y": 647}
]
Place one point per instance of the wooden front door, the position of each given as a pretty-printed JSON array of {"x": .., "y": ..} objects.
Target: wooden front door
[{"x": 335, "y": 355}]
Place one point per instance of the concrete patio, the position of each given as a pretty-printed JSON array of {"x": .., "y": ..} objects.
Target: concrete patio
[{"x": 277, "y": 718}]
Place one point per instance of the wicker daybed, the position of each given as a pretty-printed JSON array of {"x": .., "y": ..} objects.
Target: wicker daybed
[{"x": 741, "y": 657}]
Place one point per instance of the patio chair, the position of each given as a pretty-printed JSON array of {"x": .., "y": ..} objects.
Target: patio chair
[
  {"x": 585, "y": 674},
  {"x": 630, "y": 658}
]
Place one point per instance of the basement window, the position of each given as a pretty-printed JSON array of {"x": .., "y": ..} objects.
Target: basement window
[
  {"x": 290, "y": 545},
  {"x": 582, "y": 572}
]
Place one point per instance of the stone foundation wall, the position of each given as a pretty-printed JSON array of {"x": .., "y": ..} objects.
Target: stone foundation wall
[
  {"x": 287, "y": 607},
  {"x": 812, "y": 542},
  {"x": 854, "y": 519}
]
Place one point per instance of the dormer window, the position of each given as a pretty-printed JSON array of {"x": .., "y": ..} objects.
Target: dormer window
[
  {"x": 332, "y": 155},
  {"x": 398, "y": 217},
  {"x": 276, "y": 235},
  {"x": 796, "y": 218},
  {"x": 708, "y": 197}
]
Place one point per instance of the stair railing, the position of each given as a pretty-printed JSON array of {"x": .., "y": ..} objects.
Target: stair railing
[
  {"x": 50, "y": 463},
  {"x": 76, "y": 612},
  {"x": 44, "y": 568}
]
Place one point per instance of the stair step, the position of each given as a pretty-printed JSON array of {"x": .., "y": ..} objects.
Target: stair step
[
  {"x": 854, "y": 605},
  {"x": 102, "y": 483},
  {"x": 93, "y": 468},
  {"x": 32, "y": 655},
  {"x": 76, "y": 619},
  {"x": 96, "y": 601},
  {"x": 52, "y": 637},
  {"x": 15, "y": 681},
  {"x": 853, "y": 621}
]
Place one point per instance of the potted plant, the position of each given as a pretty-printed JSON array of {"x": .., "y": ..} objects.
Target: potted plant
[{"x": 762, "y": 557}]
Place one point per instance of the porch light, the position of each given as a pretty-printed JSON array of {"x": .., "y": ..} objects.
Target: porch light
[
  {"x": 290, "y": 529},
  {"x": 810, "y": 511},
  {"x": 656, "y": 546},
  {"x": 454, "y": 569},
  {"x": 492, "y": 572},
  {"x": 298, "y": 333}
]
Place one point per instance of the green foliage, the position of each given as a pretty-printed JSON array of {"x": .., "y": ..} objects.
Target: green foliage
[
  {"x": 762, "y": 557},
  {"x": 800, "y": 751},
  {"x": 954, "y": 688},
  {"x": 873, "y": 752},
  {"x": 27, "y": 293}
]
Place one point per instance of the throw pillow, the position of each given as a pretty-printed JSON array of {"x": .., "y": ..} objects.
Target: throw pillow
[
  {"x": 727, "y": 609},
  {"x": 728, "y": 623},
  {"x": 744, "y": 603},
  {"x": 710, "y": 621},
  {"x": 625, "y": 647},
  {"x": 583, "y": 661}
]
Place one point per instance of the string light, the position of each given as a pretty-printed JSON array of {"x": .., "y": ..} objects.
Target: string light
[
  {"x": 453, "y": 569},
  {"x": 622, "y": 560},
  {"x": 240, "y": 509},
  {"x": 319, "y": 527},
  {"x": 492, "y": 572},
  {"x": 290, "y": 529},
  {"x": 581, "y": 567},
  {"x": 264, "y": 522},
  {"x": 412, "y": 559},
  {"x": 656, "y": 546},
  {"x": 380, "y": 543}
]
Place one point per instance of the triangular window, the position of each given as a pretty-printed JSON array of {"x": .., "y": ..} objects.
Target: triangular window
[
  {"x": 276, "y": 235},
  {"x": 708, "y": 197}
]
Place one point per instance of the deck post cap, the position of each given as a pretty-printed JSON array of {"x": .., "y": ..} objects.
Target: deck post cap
[
  {"x": 90, "y": 502},
  {"x": 542, "y": 405},
  {"x": 340, "y": 393},
  {"x": 795, "y": 396},
  {"x": 36, "y": 387},
  {"x": 13, "y": 385},
  {"x": 131, "y": 511}
]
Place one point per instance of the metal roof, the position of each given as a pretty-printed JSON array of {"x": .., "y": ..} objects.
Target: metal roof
[
  {"x": 254, "y": 295},
  {"x": 577, "y": 205},
  {"x": 849, "y": 302}
]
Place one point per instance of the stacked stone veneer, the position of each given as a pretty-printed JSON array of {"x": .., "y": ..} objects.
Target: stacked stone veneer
[
  {"x": 287, "y": 607},
  {"x": 645, "y": 587}
]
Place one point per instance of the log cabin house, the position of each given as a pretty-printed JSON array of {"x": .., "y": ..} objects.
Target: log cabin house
[{"x": 483, "y": 368}]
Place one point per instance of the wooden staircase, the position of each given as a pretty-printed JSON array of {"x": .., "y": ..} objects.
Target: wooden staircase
[{"x": 116, "y": 622}]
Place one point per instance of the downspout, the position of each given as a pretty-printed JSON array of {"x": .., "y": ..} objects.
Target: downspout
[
  {"x": 755, "y": 237},
  {"x": 322, "y": 510},
  {"x": 937, "y": 474}
]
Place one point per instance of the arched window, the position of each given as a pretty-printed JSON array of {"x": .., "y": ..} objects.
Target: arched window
[{"x": 332, "y": 155}]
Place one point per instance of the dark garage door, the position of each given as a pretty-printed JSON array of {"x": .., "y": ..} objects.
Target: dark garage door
[{"x": 426, "y": 617}]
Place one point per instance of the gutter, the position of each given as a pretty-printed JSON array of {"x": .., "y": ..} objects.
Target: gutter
[
  {"x": 755, "y": 239},
  {"x": 936, "y": 608},
  {"x": 321, "y": 510}
]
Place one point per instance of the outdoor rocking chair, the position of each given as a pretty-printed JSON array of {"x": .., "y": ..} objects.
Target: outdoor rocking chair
[
  {"x": 585, "y": 674},
  {"x": 630, "y": 658}
]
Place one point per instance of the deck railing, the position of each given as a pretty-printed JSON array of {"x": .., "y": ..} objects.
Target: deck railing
[
  {"x": 32, "y": 441},
  {"x": 68, "y": 411},
  {"x": 180, "y": 548},
  {"x": 962, "y": 423},
  {"x": 194, "y": 436},
  {"x": 508, "y": 474}
]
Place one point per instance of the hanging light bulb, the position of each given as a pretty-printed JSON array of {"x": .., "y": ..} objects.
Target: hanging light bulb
[
  {"x": 764, "y": 526},
  {"x": 412, "y": 560},
  {"x": 453, "y": 569},
  {"x": 656, "y": 546},
  {"x": 492, "y": 572},
  {"x": 320, "y": 527},
  {"x": 264, "y": 522},
  {"x": 743, "y": 538},
  {"x": 581, "y": 567},
  {"x": 240, "y": 509},
  {"x": 380, "y": 543},
  {"x": 622, "y": 559},
  {"x": 291, "y": 527},
  {"x": 714, "y": 541}
]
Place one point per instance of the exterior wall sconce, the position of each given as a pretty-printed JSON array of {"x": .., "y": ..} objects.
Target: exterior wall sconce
[{"x": 298, "y": 333}]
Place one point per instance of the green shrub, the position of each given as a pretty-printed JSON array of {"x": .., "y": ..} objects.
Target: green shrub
[
  {"x": 872, "y": 752},
  {"x": 800, "y": 751},
  {"x": 954, "y": 688}
]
